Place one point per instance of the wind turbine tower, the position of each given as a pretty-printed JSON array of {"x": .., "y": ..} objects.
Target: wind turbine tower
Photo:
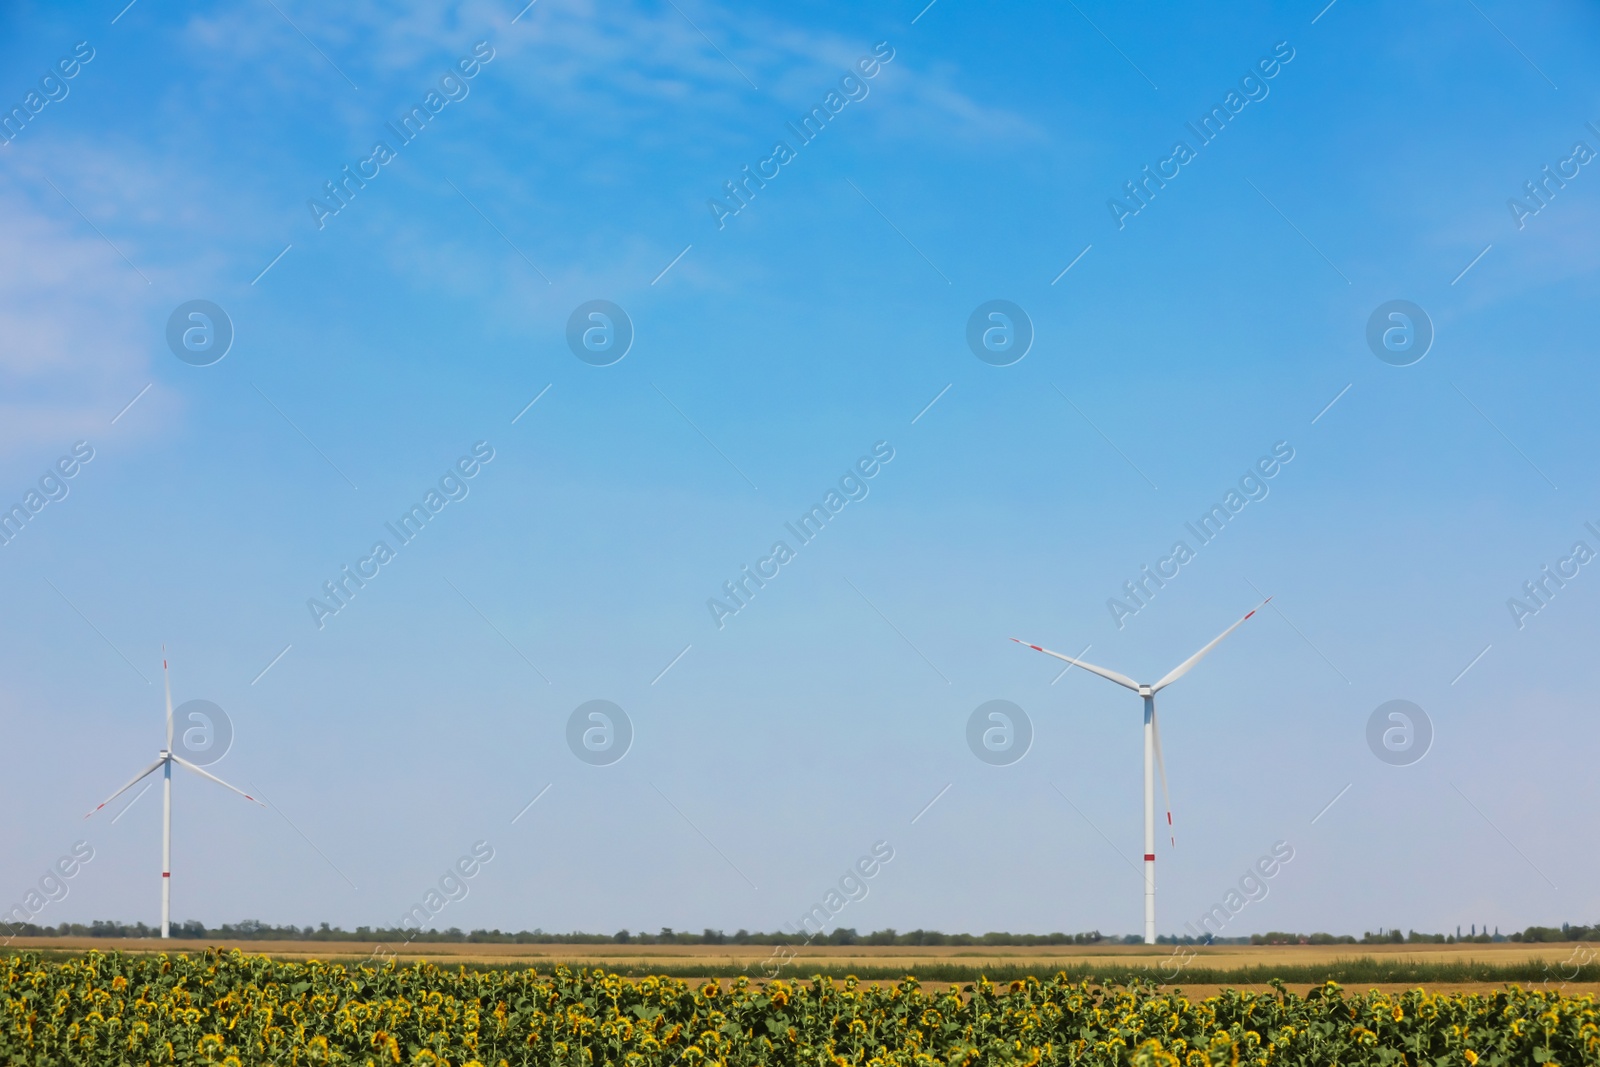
[
  {"x": 1152, "y": 752},
  {"x": 164, "y": 763}
]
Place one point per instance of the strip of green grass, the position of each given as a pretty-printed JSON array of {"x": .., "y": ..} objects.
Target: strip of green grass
[
  {"x": 1358, "y": 971},
  {"x": 1345, "y": 972}
]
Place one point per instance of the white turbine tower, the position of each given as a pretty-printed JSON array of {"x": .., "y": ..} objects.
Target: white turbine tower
[
  {"x": 164, "y": 763},
  {"x": 1152, "y": 753}
]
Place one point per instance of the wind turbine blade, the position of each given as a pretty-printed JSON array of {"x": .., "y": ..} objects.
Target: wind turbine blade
[
  {"x": 1161, "y": 765},
  {"x": 1183, "y": 668},
  {"x": 214, "y": 778},
  {"x": 167, "y": 677},
  {"x": 1120, "y": 679},
  {"x": 136, "y": 780}
]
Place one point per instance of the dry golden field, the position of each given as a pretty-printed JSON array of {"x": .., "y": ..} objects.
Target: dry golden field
[{"x": 732, "y": 961}]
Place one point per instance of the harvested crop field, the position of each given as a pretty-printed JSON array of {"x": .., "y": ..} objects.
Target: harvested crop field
[{"x": 1469, "y": 967}]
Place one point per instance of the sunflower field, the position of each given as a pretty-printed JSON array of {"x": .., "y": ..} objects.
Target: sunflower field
[{"x": 229, "y": 1008}]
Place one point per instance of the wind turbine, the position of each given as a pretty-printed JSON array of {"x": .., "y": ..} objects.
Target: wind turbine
[
  {"x": 164, "y": 763},
  {"x": 1152, "y": 753}
]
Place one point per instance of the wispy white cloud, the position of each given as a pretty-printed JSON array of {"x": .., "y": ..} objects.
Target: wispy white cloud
[
  {"x": 207, "y": 181},
  {"x": 583, "y": 60},
  {"x": 72, "y": 319}
]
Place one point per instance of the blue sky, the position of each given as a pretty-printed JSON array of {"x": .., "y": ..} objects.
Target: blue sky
[{"x": 770, "y": 354}]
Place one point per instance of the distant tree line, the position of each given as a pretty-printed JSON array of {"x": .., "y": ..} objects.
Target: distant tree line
[
  {"x": 253, "y": 930},
  {"x": 1565, "y": 932}
]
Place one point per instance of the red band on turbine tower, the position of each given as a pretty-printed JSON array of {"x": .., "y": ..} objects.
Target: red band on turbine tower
[
  {"x": 1149, "y": 857},
  {"x": 166, "y": 874}
]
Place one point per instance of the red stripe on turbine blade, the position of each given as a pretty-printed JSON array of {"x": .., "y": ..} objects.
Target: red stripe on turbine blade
[
  {"x": 1149, "y": 857},
  {"x": 1252, "y": 613}
]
